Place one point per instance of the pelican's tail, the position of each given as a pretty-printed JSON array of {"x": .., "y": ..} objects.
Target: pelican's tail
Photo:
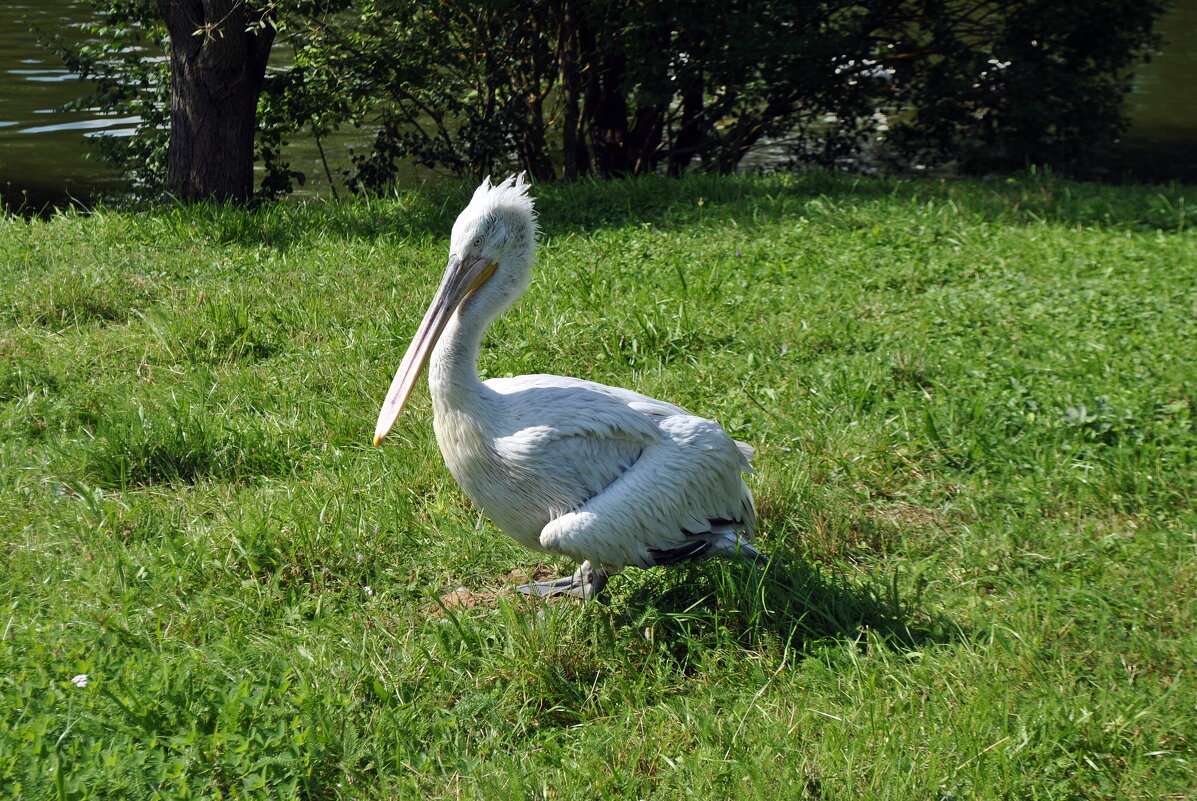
[
  {"x": 733, "y": 546},
  {"x": 747, "y": 453},
  {"x": 722, "y": 541}
]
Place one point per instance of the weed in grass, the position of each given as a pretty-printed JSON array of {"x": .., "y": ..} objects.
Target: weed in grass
[
  {"x": 25, "y": 373},
  {"x": 178, "y": 441}
]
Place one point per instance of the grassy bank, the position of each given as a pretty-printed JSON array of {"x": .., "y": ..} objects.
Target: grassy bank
[{"x": 974, "y": 409}]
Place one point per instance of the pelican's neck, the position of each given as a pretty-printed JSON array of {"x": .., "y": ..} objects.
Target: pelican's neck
[{"x": 453, "y": 369}]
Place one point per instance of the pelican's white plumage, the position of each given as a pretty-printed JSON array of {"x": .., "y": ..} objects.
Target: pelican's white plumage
[{"x": 604, "y": 475}]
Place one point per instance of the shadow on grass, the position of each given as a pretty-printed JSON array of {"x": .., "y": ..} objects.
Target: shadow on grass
[
  {"x": 792, "y": 602},
  {"x": 593, "y": 204},
  {"x": 563, "y": 664},
  {"x": 1032, "y": 197}
]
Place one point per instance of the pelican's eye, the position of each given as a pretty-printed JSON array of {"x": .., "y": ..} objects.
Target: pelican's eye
[{"x": 477, "y": 241}]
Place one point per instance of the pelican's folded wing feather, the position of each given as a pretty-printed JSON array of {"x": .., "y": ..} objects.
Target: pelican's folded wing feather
[{"x": 685, "y": 484}]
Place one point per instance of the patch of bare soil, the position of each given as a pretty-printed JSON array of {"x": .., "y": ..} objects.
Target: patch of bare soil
[
  {"x": 519, "y": 576},
  {"x": 908, "y": 515},
  {"x": 461, "y": 598},
  {"x": 465, "y": 598}
]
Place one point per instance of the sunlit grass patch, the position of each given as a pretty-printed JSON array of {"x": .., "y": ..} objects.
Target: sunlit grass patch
[
  {"x": 223, "y": 329},
  {"x": 78, "y": 297},
  {"x": 24, "y": 371}
]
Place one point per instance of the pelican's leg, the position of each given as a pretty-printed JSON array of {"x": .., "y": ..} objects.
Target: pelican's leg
[
  {"x": 544, "y": 589},
  {"x": 586, "y": 584},
  {"x": 595, "y": 579}
]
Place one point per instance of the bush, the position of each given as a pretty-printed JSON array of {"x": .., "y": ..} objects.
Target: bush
[{"x": 569, "y": 89}]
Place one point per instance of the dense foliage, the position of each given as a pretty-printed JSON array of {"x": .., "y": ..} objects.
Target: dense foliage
[
  {"x": 600, "y": 88},
  {"x": 996, "y": 84},
  {"x": 574, "y": 88}
]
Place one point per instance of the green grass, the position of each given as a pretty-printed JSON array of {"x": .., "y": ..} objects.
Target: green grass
[{"x": 974, "y": 405}]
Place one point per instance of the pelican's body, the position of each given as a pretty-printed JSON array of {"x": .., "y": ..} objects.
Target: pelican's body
[{"x": 604, "y": 475}]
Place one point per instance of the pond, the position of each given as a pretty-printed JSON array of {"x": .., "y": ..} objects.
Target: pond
[{"x": 42, "y": 152}]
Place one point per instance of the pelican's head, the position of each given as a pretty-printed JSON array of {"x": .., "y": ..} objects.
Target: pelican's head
[
  {"x": 490, "y": 258},
  {"x": 499, "y": 226}
]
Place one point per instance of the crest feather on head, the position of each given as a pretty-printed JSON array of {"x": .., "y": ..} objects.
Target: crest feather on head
[{"x": 511, "y": 192}]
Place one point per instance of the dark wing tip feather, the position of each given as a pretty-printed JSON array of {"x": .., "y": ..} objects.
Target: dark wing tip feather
[{"x": 682, "y": 553}]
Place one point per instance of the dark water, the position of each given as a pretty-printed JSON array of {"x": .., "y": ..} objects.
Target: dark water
[
  {"x": 1163, "y": 105},
  {"x": 42, "y": 152},
  {"x": 1161, "y": 142}
]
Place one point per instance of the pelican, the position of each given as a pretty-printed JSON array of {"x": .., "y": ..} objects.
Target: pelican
[{"x": 604, "y": 475}]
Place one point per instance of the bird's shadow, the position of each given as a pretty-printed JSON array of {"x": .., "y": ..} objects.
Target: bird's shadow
[{"x": 793, "y": 602}]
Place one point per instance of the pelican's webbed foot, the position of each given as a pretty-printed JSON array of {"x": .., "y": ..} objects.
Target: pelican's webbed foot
[{"x": 586, "y": 584}]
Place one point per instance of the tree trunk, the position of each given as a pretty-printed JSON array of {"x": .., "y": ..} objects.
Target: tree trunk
[
  {"x": 644, "y": 138},
  {"x": 217, "y": 63},
  {"x": 604, "y": 108},
  {"x": 688, "y": 140},
  {"x": 573, "y": 159},
  {"x": 534, "y": 148}
]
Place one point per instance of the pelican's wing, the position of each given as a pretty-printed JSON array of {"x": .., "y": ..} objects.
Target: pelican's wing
[
  {"x": 652, "y": 408},
  {"x": 682, "y": 495},
  {"x": 623, "y": 478},
  {"x": 635, "y": 400},
  {"x": 562, "y": 445}
]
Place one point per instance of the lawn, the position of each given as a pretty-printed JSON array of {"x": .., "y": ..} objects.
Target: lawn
[{"x": 974, "y": 405}]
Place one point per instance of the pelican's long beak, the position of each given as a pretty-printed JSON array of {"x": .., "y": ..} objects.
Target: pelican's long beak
[{"x": 461, "y": 278}]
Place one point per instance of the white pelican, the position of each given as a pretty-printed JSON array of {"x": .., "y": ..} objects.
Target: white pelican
[{"x": 604, "y": 475}]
